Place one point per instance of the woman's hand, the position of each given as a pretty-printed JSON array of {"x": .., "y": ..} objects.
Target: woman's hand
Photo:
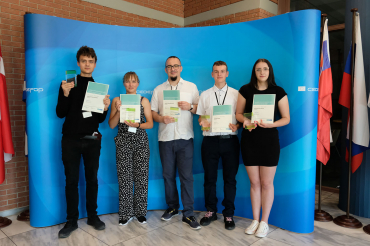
[
  {"x": 118, "y": 106},
  {"x": 136, "y": 125},
  {"x": 264, "y": 125}
]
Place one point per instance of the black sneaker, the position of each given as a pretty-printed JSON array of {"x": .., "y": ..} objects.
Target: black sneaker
[
  {"x": 141, "y": 219},
  {"x": 229, "y": 223},
  {"x": 192, "y": 222},
  {"x": 208, "y": 218},
  {"x": 96, "y": 223},
  {"x": 170, "y": 212},
  {"x": 124, "y": 222},
  {"x": 68, "y": 228}
]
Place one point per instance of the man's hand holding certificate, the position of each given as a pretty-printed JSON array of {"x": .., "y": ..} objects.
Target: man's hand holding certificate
[
  {"x": 221, "y": 118},
  {"x": 171, "y": 99},
  {"x": 94, "y": 97},
  {"x": 130, "y": 108}
]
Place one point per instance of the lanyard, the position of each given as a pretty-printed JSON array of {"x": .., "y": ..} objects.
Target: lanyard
[
  {"x": 220, "y": 96},
  {"x": 176, "y": 86}
]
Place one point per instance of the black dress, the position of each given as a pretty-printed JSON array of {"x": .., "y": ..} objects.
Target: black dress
[{"x": 261, "y": 147}]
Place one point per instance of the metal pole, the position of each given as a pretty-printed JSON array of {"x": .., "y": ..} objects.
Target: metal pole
[{"x": 351, "y": 108}]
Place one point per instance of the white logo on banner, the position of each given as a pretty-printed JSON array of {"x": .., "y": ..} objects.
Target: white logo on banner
[
  {"x": 35, "y": 89},
  {"x": 313, "y": 89},
  {"x": 144, "y": 92},
  {"x": 301, "y": 88}
]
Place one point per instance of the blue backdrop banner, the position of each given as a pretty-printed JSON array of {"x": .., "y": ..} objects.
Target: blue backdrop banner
[{"x": 290, "y": 42}]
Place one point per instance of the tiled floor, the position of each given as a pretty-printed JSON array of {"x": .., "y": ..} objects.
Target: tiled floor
[{"x": 174, "y": 232}]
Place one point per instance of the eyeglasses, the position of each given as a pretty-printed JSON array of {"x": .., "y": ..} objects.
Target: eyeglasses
[
  {"x": 169, "y": 67},
  {"x": 265, "y": 69}
]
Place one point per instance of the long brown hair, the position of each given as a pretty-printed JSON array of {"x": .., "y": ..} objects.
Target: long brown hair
[{"x": 270, "y": 80}]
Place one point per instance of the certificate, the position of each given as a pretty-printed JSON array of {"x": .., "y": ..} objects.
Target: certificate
[
  {"x": 263, "y": 108},
  {"x": 221, "y": 118},
  {"x": 94, "y": 96},
  {"x": 171, "y": 100},
  {"x": 130, "y": 108}
]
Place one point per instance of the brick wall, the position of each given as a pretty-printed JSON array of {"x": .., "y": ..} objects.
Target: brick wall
[
  {"x": 193, "y": 7},
  {"x": 248, "y": 15},
  {"x": 14, "y": 190},
  {"x": 174, "y": 7}
]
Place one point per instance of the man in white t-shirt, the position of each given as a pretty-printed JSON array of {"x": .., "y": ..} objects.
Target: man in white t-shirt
[
  {"x": 222, "y": 144},
  {"x": 175, "y": 138}
]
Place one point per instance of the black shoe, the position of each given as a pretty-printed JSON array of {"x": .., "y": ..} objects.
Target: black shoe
[
  {"x": 208, "y": 218},
  {"x": 141, "y": 219},
  {"x": 68, "y": 228},
  {"x": 229, "y": 223},
  {"x": 96, "y": 223},
  {"x": 192, "y": 222},
  {"x": 124, "y": 222},
  {"x": 170, "y": 212}
]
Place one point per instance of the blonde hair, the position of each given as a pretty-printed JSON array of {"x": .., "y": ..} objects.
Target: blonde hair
[{"x": 129, "y": 75}]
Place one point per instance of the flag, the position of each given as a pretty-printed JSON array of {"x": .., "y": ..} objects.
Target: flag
[
  {"x": 6, "y": 143},
  {"x": 24, "y": 99},
  {"x": 360, "y": 135},
  {"x": 325, "y": 111}
]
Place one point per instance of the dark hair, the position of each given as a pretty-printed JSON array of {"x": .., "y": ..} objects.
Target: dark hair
[
  {"x": 128, "y": 75},
  {"x": 220, "y": 63},
  {"x": 86, "y": 51},
  {"x": 270, "y": 80},
  {"x": 170, "y": 58}
]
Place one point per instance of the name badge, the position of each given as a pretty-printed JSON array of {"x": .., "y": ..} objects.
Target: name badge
[
  {"x": 132, "y": 129},
  {"x": 86, "y": 114}
]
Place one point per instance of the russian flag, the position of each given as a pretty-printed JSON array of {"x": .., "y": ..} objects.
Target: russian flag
[
  {"x": 325, "y": 111},
  {"x": 360, "y": 135}
]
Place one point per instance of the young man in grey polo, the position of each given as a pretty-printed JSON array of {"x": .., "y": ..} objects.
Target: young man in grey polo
[{"x": 176, "y": 142}]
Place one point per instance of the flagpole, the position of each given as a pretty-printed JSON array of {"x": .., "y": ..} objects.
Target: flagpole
[
  {"x": 321, "y": 215},
  {"x": 347, "y": 220}
]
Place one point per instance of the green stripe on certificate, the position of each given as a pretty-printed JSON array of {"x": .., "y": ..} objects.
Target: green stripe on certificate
[
  {"x": 171, "y": 95},
  {"x": 130, "y": 99},
  {"x": 222, "y": 110},
  {"x": 97, "y": 88},
  {"x": 264, "y": 99}
]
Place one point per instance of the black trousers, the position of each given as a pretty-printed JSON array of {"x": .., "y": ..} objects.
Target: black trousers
[
  {"x": 72, "y": 150},
  {"x": 214, "y": 148}
]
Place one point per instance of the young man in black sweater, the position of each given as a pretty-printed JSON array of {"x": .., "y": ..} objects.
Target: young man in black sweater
[{"x": 80, "y": 138}]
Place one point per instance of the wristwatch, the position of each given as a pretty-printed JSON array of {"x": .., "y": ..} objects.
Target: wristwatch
[
  {"x": 191, "y": 107},
  {"x": 139, "y": 125}
]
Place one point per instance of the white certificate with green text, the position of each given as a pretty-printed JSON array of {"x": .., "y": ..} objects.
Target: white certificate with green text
[
  {"x": 94, "y": 97},
  {"x": 130, "y": 108},
  {"x": 263, "y": 108},
  {"x": 171, "y": 100},
  {"x": 221, "y": 118}
]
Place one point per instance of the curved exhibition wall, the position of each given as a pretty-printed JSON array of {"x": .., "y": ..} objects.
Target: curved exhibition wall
[{"x": 290, "y": 42}]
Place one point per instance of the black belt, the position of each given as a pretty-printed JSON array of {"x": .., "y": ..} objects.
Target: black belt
[{"x": 222, "y": 136}]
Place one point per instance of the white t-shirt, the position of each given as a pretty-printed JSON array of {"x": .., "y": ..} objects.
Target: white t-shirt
[
  {"x": 183, "y": 128},
  {"x": 208, "y": 99}
]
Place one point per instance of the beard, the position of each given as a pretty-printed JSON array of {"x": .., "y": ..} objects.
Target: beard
[{"x": 173, "y": 78}]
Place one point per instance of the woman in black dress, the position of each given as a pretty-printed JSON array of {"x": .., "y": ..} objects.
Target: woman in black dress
[{"x": 260, "y": 146}]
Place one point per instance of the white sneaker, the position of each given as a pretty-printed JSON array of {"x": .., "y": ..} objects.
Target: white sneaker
[
  {"x": 252, "y": 228},
  {"x": 262, "y": 230}
]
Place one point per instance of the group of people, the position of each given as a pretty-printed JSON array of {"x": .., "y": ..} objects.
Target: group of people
[{"x": 259, "y": 145}]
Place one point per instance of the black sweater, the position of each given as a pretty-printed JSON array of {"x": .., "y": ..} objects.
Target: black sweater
[{"x": 70, "y": 107}]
